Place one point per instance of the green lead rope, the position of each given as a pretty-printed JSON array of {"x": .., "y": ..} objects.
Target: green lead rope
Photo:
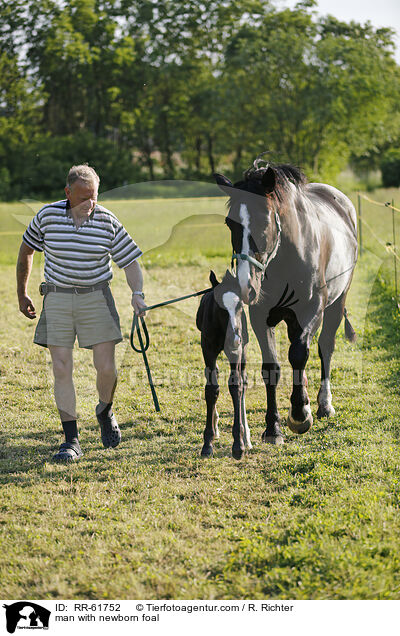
[
  {"x": 143, "y": 348},
  {"x": 144, "y": 345}
]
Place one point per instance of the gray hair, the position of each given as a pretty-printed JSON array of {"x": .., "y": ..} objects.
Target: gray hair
[{"x": 83, "y": 173}]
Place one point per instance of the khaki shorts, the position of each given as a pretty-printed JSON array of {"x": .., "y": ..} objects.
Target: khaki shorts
[{"x": 92, "y": 317}]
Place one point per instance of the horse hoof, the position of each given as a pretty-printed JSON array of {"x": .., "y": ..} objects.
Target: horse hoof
[
  {"x": 325, "y": 410},
  {"x": 237, "y": 453},
  {"x": 273, "y": 435},
  {"x": 299, "y": 427},
  {"x": 207, "y": 450},
  {"x": 275, "y": 440}
]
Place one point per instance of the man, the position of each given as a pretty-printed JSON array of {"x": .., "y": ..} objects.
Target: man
[{"x": 79, "y": 238}]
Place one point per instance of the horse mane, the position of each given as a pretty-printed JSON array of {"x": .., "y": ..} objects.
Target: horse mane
[{"x": 284, "y": 173}]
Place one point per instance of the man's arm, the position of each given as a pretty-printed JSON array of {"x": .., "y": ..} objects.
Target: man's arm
[
  {"x": 134, "y": 278},
  {"x": 24, "y": 268}
]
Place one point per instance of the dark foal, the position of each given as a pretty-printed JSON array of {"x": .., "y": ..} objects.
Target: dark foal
[{"x": 223, "y": 326}]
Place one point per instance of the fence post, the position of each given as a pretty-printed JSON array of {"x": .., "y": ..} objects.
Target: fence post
[
  {"x": 394, "y": 249},
  {"x": 359, "y": 224}
]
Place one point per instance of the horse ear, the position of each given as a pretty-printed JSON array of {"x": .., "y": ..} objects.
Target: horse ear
[
  {"x": 213, "y": 279},
  {"x": 222, "y": 182},
  {"x": 269, "y": 180}
]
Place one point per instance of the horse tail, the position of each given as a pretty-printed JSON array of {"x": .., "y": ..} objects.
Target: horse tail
[{"x": 349, "y": 332}]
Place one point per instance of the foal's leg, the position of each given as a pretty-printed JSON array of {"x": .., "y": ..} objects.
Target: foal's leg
[
  {"x": 235, "y": 389},
  {"x": 326, "y": 343},
  {"x": 246, "y": 429},
  {"x": 271, "y": 372},
  {"x": 211, "y": 393}
]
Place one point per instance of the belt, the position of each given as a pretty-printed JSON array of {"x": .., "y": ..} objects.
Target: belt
[{"x": 45, "y": 288}]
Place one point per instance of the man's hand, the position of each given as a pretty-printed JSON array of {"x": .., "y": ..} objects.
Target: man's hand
[
  {"x": 24, "y": 268},
  {"x": 138, "y": 304},
  {"x": 26, "y": 306},
  {"x": 134, "y": 278}
]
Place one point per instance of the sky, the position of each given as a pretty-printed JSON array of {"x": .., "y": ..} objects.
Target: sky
[{"x": 381, "y": 13}]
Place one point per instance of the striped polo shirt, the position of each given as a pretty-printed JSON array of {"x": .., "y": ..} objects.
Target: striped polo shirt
[{"x": 79, "y": 256}]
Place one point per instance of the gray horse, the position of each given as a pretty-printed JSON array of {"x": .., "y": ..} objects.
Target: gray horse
[{"x": 295, "y": 244}]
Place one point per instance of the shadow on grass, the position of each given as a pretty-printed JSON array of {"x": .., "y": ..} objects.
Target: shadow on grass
[
  {"x": 382, "y": 328},
  {"x": 20, "y": 458}
]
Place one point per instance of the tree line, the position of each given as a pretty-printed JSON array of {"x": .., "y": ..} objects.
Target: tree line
[{"x": 160, "y": 89}]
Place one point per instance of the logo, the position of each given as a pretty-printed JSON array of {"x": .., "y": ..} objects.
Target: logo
[{"x": 26, "y": 615}]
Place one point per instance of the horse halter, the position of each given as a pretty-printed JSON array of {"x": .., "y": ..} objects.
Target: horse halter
[{"x": 271, "y": 255}]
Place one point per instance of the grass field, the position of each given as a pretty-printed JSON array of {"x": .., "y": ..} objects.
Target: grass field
[{"x": 315, "y": 519}]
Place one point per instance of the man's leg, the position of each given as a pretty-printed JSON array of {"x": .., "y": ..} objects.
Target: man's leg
[
  {"x": 104, "y": 362},
  {"x": 64, "y": 393}
]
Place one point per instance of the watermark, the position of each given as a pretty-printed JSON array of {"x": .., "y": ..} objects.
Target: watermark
[
  {"x": 90, "y": 616},
  {"x": 181, "y": 239},
  {"x": 178, "y": 376},
  {"x": 26, "y": 615},
  {"x": 98, "y": 617}
]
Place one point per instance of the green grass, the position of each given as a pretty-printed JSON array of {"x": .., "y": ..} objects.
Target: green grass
[{"x": 317, "y": 518}]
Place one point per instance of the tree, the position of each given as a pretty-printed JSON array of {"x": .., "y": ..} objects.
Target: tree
[
  {"x": 317, "y": 90},
  {"x": 186, "y": 89},
  {"x": 18, "y": 98},
  {"x": 390, "y": 167}
]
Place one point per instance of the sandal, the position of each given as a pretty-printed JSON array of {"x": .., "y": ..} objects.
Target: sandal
[
  {"x": 110, "y": 431},
  {"x": 67, "y": 453}
]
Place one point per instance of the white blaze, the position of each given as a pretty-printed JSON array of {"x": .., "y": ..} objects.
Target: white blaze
[
  {"x": 230, "y": 302},
  {"x": 243, "y": 267}
]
